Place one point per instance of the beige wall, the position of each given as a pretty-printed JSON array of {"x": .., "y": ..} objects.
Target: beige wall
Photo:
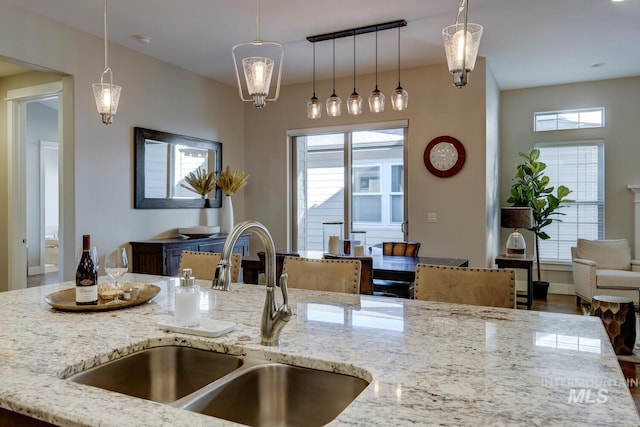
[
  {"x": 620, "y": 134},
  {"x": 155, "y": 95},
  {"x": 435, "y": 108}
]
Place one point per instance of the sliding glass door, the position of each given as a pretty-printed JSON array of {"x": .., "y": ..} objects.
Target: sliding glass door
[{"x": 357, "y": 177}]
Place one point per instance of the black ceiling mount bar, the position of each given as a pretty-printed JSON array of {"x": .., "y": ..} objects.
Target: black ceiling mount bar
[{"x": 357, "y": 31}]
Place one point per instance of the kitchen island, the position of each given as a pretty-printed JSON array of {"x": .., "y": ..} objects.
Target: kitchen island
[{"x": 428, "y": 363}]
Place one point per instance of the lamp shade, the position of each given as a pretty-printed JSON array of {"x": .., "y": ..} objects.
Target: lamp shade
[
  {"x": 516, "y": 217},
  {"x": 107, "y": 96},
  {"x": 462, "y": 48},
  {"x": 257, "y": 74},
  {"x": 314, "y": 108}
]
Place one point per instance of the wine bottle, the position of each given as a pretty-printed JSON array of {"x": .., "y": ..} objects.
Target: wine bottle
[{"x": 86, "y": 276}]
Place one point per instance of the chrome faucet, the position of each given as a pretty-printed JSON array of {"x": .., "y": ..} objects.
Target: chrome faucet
[{"x": 274, "y": 318}]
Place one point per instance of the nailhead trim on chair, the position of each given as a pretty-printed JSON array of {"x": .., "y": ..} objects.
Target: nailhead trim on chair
[
  {"x": 355, "y": 280},
  {"x": 235, "y": 266},
  {"x": 512, "y": 296}
]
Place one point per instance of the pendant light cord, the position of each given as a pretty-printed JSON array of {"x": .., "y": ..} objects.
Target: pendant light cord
[
  {"x": 258, "y": 20},
  {"x": 314, "y": 70},
  {"x": 334, "y": 65},
  {"x": 106, "y": 57},
  {"x": 376, "y": 58},
  {"x": 398, "y": 56},
  {"x": 354, "y": 61}
]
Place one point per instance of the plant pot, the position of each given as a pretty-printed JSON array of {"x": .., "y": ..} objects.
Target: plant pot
[{"x": 540, "y": 289}]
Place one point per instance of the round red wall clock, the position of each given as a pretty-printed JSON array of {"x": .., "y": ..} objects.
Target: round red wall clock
[{"x": 444, "y": 156}]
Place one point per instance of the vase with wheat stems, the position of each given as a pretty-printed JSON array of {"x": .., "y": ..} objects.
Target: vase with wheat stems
[{"x": 229, "y": 183}]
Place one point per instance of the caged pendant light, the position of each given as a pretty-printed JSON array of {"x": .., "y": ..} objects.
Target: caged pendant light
[
  {"x": 258, "y": 66},
  {"x": 334, "y": 103},
  {"x": 107, "y": 94},
  {"x": 399, "y": 97},
  {"x": 376, "y": 98},
  {"x": 354, "y": 104},
  {"x": 461, "y": 42},
  {"x": 314, "y": 106}
]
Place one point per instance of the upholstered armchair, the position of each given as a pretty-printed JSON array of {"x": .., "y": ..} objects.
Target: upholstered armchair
[{"x": 605, "y": 267}]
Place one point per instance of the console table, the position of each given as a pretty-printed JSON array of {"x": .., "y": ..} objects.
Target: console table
[
  {"x": 525, "y": 263},
  {"x": 162, "y": 256}
]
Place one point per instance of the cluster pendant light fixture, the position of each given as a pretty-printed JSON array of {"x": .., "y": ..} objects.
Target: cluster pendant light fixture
[
  {"x": 257, "y": 59},
  {"x": 461, "y": 42},
  {"x": 107, "y": 94},
  {"x": 399, "y": 96}
]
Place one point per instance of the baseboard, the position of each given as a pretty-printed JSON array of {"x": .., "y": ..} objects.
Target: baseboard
[{"x": 34, "y": 270}]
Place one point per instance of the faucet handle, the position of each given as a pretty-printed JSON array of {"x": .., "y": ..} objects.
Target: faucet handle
[
  {"x": 284, "y": 280},
  {"x": 218, "y": 275}
]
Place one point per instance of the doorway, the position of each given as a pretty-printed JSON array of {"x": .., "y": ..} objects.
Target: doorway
[
  {"x": 356, "y": 177},
  {"x": 34, "y": 126}
]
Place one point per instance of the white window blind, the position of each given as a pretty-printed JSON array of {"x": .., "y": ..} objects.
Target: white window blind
[{"x": 579, "y": 166}]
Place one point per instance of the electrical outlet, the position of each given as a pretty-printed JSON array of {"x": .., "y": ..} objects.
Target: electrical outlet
[{"x": 432, "y": 217}]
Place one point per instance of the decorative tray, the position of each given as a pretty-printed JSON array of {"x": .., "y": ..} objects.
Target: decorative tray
[{"x": 65, "y": 300}]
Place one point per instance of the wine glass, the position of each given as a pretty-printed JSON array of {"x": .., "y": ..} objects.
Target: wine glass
[{"x": 116, "y": 265}]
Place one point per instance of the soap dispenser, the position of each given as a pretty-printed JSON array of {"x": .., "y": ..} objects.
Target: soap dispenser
[{"x": 187, "y": 301}]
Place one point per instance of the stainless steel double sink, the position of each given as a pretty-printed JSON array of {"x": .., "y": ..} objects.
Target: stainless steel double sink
[{"x": 245, "y": 390}]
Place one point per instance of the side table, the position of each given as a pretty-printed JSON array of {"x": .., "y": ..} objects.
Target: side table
[
  {"x": 525, "y": 263},
  {"x": 619, "y": 320}
]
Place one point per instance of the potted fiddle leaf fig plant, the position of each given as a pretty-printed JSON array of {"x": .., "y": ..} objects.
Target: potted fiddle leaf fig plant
[{"x": 532, "y": 189}]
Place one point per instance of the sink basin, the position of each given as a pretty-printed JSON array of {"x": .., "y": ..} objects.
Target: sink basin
[
  {"x": 275, "y": 394},
  {"x": 242, "y": 389},
  {"x": 162, "y": 374}
]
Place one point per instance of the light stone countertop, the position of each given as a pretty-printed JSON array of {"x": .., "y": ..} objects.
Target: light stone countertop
[{"x": 430, "y": 363}]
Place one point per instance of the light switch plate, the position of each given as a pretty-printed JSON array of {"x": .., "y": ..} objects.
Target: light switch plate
[{"x": 432, "y": 217}]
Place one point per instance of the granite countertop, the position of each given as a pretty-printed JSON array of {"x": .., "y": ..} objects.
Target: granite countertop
[{"x": 430, "y": 363}]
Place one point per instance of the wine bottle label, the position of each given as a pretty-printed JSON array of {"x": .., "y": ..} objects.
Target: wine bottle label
[{"x": 86, "y": 294}]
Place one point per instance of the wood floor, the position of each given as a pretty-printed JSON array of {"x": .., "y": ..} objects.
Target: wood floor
[{"x": 554, "y": 303}]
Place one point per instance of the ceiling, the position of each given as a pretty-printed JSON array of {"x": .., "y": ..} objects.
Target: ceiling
[{"x": 527, "y": 43}]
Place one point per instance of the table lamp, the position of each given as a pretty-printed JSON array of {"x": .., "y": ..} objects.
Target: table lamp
[{"x": 516, "y": 217}]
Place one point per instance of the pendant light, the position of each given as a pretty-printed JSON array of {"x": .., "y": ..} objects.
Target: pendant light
[
  {"x": 354, "y": 104},
  {"x": 334, "y": 103},
  {"x": 258, "y": 67},
  {"x": 106, "y": 93},
  {"x": 399, "y": 97},
  {"x": 314, "y": 106},
  {"x": 376, "y": 98},
  {"x": 461, "y": 42}
]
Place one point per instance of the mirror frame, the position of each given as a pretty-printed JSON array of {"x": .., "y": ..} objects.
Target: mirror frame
[{"x": 142, "y": 202}]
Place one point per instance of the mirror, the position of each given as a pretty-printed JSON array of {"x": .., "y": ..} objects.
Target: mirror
[{"x": 162, "y": 160}]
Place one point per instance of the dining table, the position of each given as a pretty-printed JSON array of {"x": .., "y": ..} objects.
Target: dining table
[{"x": 385, "y": 267}]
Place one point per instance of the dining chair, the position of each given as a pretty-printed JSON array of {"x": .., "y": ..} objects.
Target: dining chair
[
  {"x": 400, "y": 248},
  {"x": 396, "y": 288},
  {"x": 203, "y": 264},
  {"x": 279, "y": 262},
  {"x": 494, "y": 287},
  {"x": 335, "y": 275},
  {"x": 366, "y": 271}
]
